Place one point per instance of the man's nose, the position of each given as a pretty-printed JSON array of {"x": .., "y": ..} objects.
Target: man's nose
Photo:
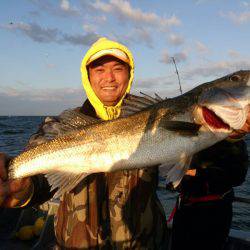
[{"x": 109, "y": 76}]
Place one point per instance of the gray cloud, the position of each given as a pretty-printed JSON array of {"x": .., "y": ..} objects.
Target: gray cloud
[
  {"x": 48, "y": 35},
  {"x": 89, "y": 28},
  {"x": 198, "y": 2},
  {"x": 34, "y": 13},
  {"x": 25, "y": 100},
  {"x": 136, "y": 35},
  {"x": 34, "y": 31},
  {"x": 233, "y": 53},
  {"x": 96, "y": 13},
  {"x": 217, "y": 69},
  {"x": 190, "y": 77},
  {"x": 87, "y": 39},
  {"x": 50, "y": 65},
  {"x": 67, "y": 9},
  {"x": 237, "y": 18},
  {"x": 63, "y": 9},
  {"x": 201, "y": 47},
  {"x": 39, "y": 101},
  {"x": 164, "y": 86},
  {"x": 175, "y": 39},
  {"x": 124, "y": 11},
  {"x": 147, "y": 83},
  {"x": 245, "y": 4},
  {"x": 179, "y": 57}
]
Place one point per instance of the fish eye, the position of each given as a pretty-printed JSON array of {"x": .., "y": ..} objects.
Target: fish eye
[{"x": 235, "y": 78}]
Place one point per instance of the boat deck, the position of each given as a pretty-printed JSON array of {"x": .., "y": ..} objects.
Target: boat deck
[{"x": 238, "y": 240}]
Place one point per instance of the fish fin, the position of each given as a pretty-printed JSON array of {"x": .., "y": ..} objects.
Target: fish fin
[
  {"x": 134, "y": 103},
  {"x": 64, "y": 182},
  {"x": 66, "y": 122},
  {"x": 184, "y": 128},
  {"x": 175, "y": 172},
  {"x": 72, "y": 119},
  {"x": 159, "y": 98}
]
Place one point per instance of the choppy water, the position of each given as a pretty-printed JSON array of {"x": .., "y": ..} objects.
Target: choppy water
[{"x": 16, "y": 130}]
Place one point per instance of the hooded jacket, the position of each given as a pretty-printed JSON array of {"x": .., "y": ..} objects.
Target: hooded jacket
[{"x": 105, "y": 112}]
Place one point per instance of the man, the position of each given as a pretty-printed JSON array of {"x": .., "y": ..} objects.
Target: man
[
  {"x": 106, "y": 211},
  {"x": 203, "y": 216}
]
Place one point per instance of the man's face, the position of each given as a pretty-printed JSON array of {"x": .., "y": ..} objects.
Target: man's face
[{"x": 109, "y": 79}]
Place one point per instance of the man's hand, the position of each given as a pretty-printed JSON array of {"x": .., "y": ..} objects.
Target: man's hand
[{"x": 15, "y": 192}]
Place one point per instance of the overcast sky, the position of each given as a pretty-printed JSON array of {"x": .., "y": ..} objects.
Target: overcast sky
[{"x": 42, "y": 44}]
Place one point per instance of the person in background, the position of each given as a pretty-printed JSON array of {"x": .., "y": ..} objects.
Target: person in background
[
  {"x": 117, "y": 210},
  {"x": 203, "y": 213}
]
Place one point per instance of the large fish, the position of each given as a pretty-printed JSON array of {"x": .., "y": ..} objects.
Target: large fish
[{"x": 165, "y": 133}]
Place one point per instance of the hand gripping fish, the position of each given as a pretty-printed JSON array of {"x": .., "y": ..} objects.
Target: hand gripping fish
[{"x": 165, "y": 133}]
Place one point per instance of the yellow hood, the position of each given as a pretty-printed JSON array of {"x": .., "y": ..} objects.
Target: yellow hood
[{"x": 104, "y": 112}]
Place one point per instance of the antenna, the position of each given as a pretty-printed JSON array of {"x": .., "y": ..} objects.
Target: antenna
[{"x": 176, "y": 70}]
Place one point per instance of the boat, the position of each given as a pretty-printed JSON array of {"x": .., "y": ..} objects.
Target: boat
[{"x": 237, "y": 240}]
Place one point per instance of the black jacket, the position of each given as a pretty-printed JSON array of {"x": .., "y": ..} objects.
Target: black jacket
[{"x": 218, "y": 169}]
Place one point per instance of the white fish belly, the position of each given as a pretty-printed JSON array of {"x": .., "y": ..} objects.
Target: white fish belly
[{"x": 119, "y": 152}]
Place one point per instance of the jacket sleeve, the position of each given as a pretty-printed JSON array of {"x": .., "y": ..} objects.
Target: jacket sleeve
[{"x": 222, "y": 166}]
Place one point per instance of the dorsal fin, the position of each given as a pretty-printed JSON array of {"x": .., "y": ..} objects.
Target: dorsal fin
[
  {"x": 134, "y": 103},
  {"x": 69, "y": 120},
  {"x": 76, "y": 120},
  {"x": 158, "y": 97}
]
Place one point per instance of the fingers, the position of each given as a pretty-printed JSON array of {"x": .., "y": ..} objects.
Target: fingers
[
  {"x": 10, "y": 202},
  {"x": 14, "y": 186},
  {"x": 18, "y": 185},
  {"x": 3, "y": 176},
  {"x": 12, "y": 192}
]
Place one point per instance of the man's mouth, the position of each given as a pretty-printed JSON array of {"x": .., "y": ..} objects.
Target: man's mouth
[{"x": 109, "y": 88}]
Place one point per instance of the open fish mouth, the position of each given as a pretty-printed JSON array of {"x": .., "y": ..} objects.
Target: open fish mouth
[
  {"x": 213, "y": 120},
  {"x": 231, "y": 116},
  {"x": 224, "y": 109}
]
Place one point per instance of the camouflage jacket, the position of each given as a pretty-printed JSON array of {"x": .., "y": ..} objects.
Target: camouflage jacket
[{"x": 117, "y": 210}]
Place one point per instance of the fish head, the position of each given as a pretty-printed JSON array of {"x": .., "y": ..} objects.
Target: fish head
[{"x": 225, "y": 107}]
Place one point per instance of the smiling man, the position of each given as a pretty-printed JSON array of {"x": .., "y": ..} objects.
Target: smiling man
[
  {"x": 109, "y": 77},
  {"x": 117, "y": 210}
]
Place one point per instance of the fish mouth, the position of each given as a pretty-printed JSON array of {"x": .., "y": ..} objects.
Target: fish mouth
[
  {"x": 224, "y": 109},
  {"x": 213, "y": 120}
]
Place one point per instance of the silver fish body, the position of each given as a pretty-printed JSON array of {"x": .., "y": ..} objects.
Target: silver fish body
[{"x": 161, "y": 134}]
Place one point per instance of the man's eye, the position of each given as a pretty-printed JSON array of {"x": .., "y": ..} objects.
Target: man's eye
[
  {"x": 118, "y": 68},
  {"x": 99, "y": 70}
]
